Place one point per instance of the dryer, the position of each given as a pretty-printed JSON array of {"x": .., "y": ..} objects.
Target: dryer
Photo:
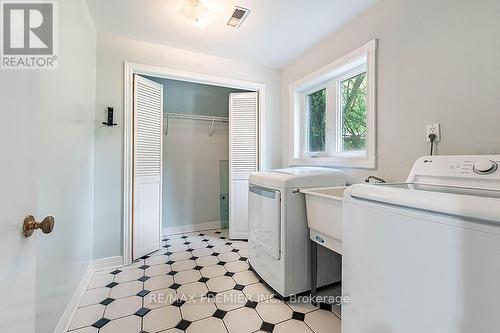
[{"x": 279, "y": 248}]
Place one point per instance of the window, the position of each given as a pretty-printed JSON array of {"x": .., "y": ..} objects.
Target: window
[
  {"x": 316, "y": 106},
  {"x": 353, "y": 113},
  {"x": 333, "y": 113}
]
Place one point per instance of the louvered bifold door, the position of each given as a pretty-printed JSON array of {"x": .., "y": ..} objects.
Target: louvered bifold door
[
  {"x": 148, "y": 120},
  {"x": 243, "y": 158}
]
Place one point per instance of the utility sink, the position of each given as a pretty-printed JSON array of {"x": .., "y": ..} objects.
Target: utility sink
[{"x": 324, "y": 216}]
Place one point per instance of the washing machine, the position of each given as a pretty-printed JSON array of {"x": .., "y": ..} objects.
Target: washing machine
[
  {"x": 279, "y": 247},
  {"x": 423, "y": 256}
]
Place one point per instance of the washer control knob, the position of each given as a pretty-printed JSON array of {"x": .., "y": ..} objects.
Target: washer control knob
[{"x": 485, "y": 167}]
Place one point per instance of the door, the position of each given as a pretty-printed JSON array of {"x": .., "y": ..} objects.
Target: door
[
  {"x": 243, "y": 158},
  {"x": 147, "y": 173},
  {"x": 46, "y": 147},
  {"x": 265, "y": 219},
  {"x": 17, "y": 199}
]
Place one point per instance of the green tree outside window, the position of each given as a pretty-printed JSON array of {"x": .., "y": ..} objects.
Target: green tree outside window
[
  {"x": 317, "y": 120},
  {"x": 354, "y": 91}
]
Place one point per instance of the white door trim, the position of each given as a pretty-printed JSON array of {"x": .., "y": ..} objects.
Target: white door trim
[{"x": 131, "y": 68}]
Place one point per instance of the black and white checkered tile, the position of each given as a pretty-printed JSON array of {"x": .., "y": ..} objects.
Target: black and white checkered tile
[{"x": 199, "y": 282}]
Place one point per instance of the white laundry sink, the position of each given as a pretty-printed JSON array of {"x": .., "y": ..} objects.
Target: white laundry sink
[{"x": 324, "y": 216}]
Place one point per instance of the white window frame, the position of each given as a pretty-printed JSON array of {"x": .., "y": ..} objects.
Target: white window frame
[
  {"x": 305, "y": 124},
  {"x": 330, "y": 77}
]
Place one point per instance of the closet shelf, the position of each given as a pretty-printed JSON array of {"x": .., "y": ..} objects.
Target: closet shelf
[{"x": 212, "y": 119}]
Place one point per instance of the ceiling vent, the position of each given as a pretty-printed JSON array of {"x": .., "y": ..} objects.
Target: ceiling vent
[{"x": 239, "y": 15}]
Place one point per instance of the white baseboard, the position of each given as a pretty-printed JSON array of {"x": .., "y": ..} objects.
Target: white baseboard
[
  {"x": 191, "y": 227},
  {"x": 96, "y": 265},
  {"x": 238, "y": 235},
  {"x": 108, "y": 263},
  {"x": 67, "y": 316}
]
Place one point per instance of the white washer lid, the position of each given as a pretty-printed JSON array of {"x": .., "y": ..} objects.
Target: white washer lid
[
  {"x": 299, "y": 177},
  {"x": 470, "y": 203}
]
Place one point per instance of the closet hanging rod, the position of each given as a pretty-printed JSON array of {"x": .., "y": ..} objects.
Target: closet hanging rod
[
  {"x": 212, "y": 119},
  {"x": 195, "y": 117}
]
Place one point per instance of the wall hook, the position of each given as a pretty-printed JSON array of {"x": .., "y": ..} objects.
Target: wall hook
[{"x": 110, "y": 118}]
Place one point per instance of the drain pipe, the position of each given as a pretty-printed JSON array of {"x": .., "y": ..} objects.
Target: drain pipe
[{"x": 375, "y": 178}]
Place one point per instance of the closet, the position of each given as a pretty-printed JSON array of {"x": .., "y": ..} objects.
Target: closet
[{"x": 199, "y": 170}]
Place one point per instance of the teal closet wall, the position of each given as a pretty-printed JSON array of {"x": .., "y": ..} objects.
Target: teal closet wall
[{"x": 194, "y": 98}]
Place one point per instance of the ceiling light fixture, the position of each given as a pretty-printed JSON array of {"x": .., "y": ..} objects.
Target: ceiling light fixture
[{"x": 197, "y": 13}]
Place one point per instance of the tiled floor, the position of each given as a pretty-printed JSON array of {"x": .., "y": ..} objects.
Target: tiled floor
[{"x": 199, "y": 282}]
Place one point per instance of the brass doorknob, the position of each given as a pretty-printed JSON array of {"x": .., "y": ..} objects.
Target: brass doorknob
[{"x": 30, "y": 225}]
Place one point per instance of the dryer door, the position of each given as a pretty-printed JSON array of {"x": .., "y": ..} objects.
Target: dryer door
[{"x": 265, "y": 219}]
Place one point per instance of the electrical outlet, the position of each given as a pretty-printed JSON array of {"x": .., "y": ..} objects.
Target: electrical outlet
[{"x": 433, "y": 129}]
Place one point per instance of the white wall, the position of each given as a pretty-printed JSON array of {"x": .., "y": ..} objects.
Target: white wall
[
  {"x": 111, "y": 52},
  {"x": 191, "y": 171},
  {"x": 438, "y": 63},
  {"x": 60, "y": 140}
]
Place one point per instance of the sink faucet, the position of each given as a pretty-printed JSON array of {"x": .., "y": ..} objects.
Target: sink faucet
[{"x": 375, "y": 178}]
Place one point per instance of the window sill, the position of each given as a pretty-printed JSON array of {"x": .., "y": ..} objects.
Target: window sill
[{"x": 329, "y": 161}]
